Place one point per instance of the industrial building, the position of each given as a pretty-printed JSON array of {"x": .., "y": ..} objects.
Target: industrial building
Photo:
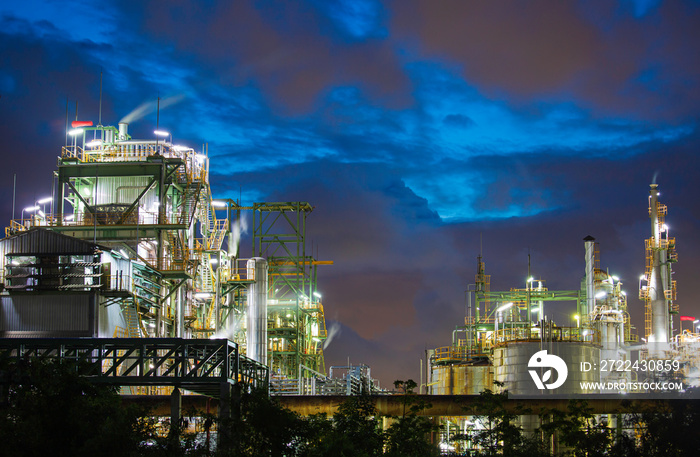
[
  {"x": 132, "y": 244},
  {"x": 505, "y": 329}
]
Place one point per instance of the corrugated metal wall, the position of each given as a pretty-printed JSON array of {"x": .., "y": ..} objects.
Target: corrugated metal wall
[
  {"x": 43, "y": 241},
  {"x": 125, "y": 190},
  {"x": 47, "y": 315}
]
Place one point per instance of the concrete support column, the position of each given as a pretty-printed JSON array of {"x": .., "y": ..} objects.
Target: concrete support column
[
  {"x": 225, "y": 427},
  {"x": 175, "y": 410}
]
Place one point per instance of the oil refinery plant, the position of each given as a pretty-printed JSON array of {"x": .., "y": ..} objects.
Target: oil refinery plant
[
  {"x": 133, "y": 268},
  {"x": 133, "y": 245}
]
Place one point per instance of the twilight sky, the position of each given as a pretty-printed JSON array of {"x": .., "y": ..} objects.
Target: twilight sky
[{"x": 414, "y": 127}]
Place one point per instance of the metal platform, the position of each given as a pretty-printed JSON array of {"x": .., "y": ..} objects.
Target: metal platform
[{"x": 197, "y": 365}]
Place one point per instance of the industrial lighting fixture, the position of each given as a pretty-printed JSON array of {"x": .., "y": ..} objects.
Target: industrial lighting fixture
[
  {"x": 213, "y": 261},
  {"x": 70, "y": 217},
  {"x": 615, "y": 278},
  {"x": 44, "y": 200},
  {"x": 578, "y": 320},
  {"x": 317, "y": 295},
  {"x": 94, "y": 143},
  {"x": 75, "y": 132},
  {"x": 535, "y": 309},
  {"x": 601, "y": 294},
  {"x": 218, "y": 203},
  {"x": 504, "y": 307},
  {"x": 161, "y": 133},
  {"x": 29, "y": 209}
]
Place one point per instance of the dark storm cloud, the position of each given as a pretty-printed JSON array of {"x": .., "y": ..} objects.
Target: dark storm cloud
[
  {"x": 292, "y": 52},
  {"x": 612, "y": 62}
]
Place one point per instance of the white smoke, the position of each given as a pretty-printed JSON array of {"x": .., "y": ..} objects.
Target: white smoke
[
  {"x": 239, "y": 228},
  {"x": 332, "y": 333},
  {"x": 149, "y": 107}
]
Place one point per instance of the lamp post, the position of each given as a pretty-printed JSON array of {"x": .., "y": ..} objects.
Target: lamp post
[
  {"x": 164, "y": 134},
  {"x": 29, "y": 209}
]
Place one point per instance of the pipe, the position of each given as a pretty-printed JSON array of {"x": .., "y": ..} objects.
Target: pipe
[
  {"x": 256, "y": 335},
  {"x": 590, "y": 277}
]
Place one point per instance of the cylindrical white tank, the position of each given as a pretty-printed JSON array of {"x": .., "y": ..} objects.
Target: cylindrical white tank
[
  {"x": 257, "y": 310},
  {"x": 510, "y": 364},
  {"x": 123, "y": 131}
]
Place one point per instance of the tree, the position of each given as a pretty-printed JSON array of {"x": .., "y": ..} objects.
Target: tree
[
  {"x": 498, "y": 432},
  {"x": 409, "y": 435},
  {"x": 46, "y": 408}
]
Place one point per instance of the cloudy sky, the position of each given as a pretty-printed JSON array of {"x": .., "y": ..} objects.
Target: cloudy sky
[{"x": 422, "y": 131}]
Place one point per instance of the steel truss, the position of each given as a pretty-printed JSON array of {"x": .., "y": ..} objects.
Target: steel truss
[{"x": 197, "y": 365}]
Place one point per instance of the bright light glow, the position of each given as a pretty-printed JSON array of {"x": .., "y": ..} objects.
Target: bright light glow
[
  {"x": 317, "y": 295},
  {"x": 41, "y": 213},
  {"x": 641, "y": 278},
  {"x": 664, "y": 228},
  {"x": 44, "y": 200},
  {"x": 316, "y": 340},
  {"x": 696, "y": 321},
  {"x": 152, "y": 325},
  {"x": 202, "y": 295},
  {"x": 213, "y": 261},
  {"x": 504, "y": 307},
  {"x": 161, "y": 133},
  {"x": 530, "y": 279},
  {"x": 535, "y": 309},
  {"x": 94, "y": 143},
  {"x": 218, "y": 203},
  {"x": 577, "y": 317},
  {"x": 75, "y": 132},
  {"x": 180, "y": 148},
  {"x": 601, "y": 294},
  {"x": 624, "y": 293},
  {"x": 585, "y": 332},
  {"x": 70, "y": 217},
  {"x": 123, "y": 253},
  {"x": 14, "y": 262},
  {"x": 200, "y": 157},
  {"x": 87, "y": 192},
  {"x": 615, "y": 278},
  {"x": 289, "y": 315},
  {"x": 31, "y": 208}
]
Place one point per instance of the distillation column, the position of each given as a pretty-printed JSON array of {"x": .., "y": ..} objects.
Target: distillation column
[
  {"x": 658, "y": 280},
  {"x": 590, "y": 275},
  {"x": 257, "y": 310}
]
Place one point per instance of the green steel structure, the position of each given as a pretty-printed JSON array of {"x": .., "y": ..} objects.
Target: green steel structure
[{"x": 296, "y": 323}]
